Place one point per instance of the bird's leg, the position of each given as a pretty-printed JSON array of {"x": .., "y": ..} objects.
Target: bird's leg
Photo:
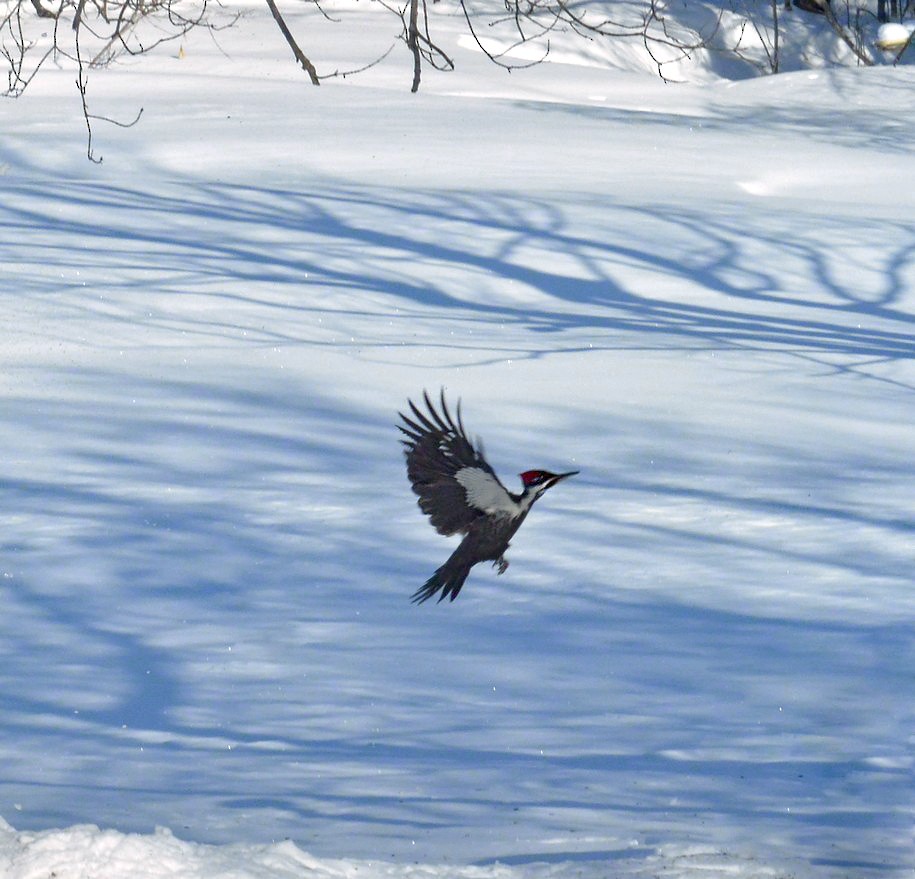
[{"x": 502, "y": 562}]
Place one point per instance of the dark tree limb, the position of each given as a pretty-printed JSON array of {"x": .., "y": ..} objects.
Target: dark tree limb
[
  {"x": 78, "y": 15},
  {"x": 300, "y": 56},
  {"x": 905, "y": 46},
  {"x": 42, "y": 12},
  {"x": 413, "y": 44}
]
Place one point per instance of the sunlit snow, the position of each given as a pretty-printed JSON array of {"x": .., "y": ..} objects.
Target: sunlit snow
[{"x": 700, "y": 296}]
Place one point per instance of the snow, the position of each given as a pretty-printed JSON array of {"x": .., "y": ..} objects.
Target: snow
[
  {"x": 701, "y": 296},
  {"x": 894, "y": 35}
]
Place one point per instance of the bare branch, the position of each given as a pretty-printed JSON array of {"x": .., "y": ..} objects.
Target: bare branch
[
  {"x": 496, "y": 58},
  {"x": 353, "y": 71},
  {"x": 842, "y": 33},
  {"x": 413, "y": 43},
  {"x": 300, "y": 56},
  {"x": 902, "y": 51},
  {"x": 78, "y": 17},
  {"x": 92, "y": 33},
  {"x": 42, "y": 12},
  {"x": 117, "y": 122},
  {"x": 81, "y": 86}
]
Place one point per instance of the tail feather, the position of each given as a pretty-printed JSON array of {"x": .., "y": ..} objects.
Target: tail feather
[{"x": 449, "y": 578}]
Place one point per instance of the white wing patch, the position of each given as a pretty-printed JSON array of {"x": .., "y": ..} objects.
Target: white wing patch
[{"x": 486, "y": 493}]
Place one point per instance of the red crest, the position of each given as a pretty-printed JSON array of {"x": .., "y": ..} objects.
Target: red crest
[{"x": 531, "y": 478}]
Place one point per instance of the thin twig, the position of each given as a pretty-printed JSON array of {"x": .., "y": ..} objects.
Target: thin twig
[{"x": 81, "y": 85}]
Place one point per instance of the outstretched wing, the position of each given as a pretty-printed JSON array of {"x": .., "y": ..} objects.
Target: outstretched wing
[{"x": 454, "y": 483}]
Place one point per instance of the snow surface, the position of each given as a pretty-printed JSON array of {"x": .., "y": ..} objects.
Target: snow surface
[{"x": 700, "y": 662}]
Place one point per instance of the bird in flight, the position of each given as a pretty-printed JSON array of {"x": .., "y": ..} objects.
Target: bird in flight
[{"x": 461, "y": 494}]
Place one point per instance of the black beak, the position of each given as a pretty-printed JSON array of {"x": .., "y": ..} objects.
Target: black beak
[{"x": 560, "y": 476}]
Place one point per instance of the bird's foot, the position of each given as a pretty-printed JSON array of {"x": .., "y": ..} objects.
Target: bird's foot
[{"x": 502, "y": 563}]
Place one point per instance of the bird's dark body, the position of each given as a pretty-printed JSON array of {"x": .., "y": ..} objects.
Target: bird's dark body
[
  {"x": 486, "y": 541},
  {"x": 461, "y": 494}
]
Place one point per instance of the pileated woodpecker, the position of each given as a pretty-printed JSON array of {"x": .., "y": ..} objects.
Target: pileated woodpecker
[{"x": 461, "y": 494}]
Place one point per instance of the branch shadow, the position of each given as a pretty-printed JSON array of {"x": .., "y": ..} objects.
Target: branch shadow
[
  {"x": 199, "y": 622},
  {"x": 492, "y": 257},
  {"x": 234, "y": 658}
]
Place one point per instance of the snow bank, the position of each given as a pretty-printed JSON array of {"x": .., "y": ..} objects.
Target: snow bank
[{"x": 86, "y": 851}]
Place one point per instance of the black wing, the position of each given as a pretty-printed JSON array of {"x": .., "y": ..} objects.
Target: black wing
[{"x": 438, "y": 449}]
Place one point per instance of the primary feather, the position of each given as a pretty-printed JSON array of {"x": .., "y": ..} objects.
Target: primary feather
[{"x": 454, "y": 483}]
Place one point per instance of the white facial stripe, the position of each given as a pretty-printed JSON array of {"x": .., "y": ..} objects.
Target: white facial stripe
[{"x": 485, "y": 493}]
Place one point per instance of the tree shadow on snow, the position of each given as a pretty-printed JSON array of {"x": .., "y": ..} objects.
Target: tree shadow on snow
[
  {"x": 199, "y": 625},
  {"x": 619, "y": 273},
  {"x": 219, "y": 639}
]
